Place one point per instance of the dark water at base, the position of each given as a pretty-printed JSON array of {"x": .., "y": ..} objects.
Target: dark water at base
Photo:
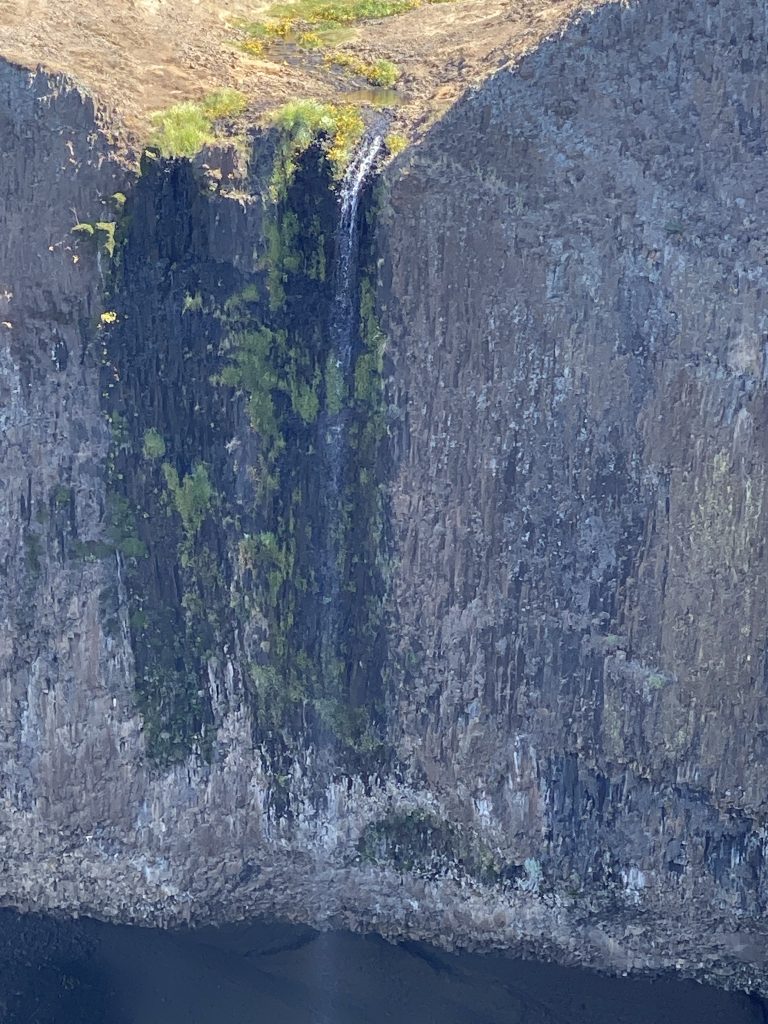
[{"x": 85, "y": 972}]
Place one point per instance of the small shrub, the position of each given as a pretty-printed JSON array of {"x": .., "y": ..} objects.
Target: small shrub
[
  {"x": 154, "y": 445},
  {"x": 132, "y": 547},
  {"x": 268, "y": 31},
  {"x": 242, "y": 298},
  {"x": 339, "y": 12},
  {"x": 62, "y": 496},
  {"x": 384, "y": 73},
  {"x": 123, "y": 532},
  {"x": 310, "y": 40},
  {"x": 92, "y": 550},
  {"x": 253, "y": 371},
  {"x": 350, "y": 725},
  {"x": 192, "y": 497},
  {"x": 304, "y": 401},
  {"x": 107, "y": 229},
  {"x": 335, "y": 388},
  {"x": 395, "y": 143},
  {"x": 327, "y": 20},
  {"x": 254, "y": 47},
  {"x": 348, "y": 131},
  {"x": 302, "y": 121},
  {"x": 192, "y": 303}
]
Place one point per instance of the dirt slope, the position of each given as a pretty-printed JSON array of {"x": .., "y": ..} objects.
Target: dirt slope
[{"x": 143, "y": 55}]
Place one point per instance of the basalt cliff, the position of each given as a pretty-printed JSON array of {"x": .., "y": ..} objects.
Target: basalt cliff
[{"x": 387, "y": 551}]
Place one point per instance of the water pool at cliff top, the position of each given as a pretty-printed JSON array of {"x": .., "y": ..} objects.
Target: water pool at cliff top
[{"x": 84, "y": 972}]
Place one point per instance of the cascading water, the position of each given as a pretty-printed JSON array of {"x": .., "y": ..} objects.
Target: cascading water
[
  {"x": 343, "y": 327},
  {"x": 343, "y": 311},
  {"x": 335, "y": 446}
]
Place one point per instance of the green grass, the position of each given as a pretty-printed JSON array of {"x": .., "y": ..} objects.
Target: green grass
[
  {"x": 303, "y": 122},
  {"x": 183, "y": 130},
  {"x": 316, "y": 37},
  {"x": 253, "y": 371},
  {"x": 192, "y": 303},
  {"x": 322, "y": 17},
  {"x": 122, "y": 529},
  {"x": 105, "y": 230},
  {"x": 324, "y": 25},
  {"x": 340, "y": 12},
  {"x": 224, "y": 103}
]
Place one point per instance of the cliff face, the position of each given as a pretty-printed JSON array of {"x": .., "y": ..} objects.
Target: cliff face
[
  {"x": 539, "y": 722},
  {"x": 577, "y": 311}
]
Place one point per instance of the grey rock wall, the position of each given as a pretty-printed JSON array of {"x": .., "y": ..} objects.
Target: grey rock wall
[
  {"x": 572, "y": 283},
  {"x": 577, "y": 311},
  {"x": 64, "y": 687}
]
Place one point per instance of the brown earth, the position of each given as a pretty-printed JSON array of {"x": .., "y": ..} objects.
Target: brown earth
[{"x": 138, "y": 56}]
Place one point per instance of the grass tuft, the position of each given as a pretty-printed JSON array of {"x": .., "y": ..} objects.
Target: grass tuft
[
  {"x": 224, "y": 103},
  {"x": 183, "y": 130},
  {"x": 303, "y": 122}
]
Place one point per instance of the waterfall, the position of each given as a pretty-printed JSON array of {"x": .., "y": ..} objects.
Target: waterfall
[
  {"x": 344, "y": 326},
  {"x": 346, "y": 276}
]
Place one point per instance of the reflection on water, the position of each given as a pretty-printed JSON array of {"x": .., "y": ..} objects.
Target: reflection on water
[
  {"x": 88, "y": 973},
  {"x": 372, "y": 97}
]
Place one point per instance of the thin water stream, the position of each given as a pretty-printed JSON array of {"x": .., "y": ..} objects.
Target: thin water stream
[{"x": 344, "y": 322}]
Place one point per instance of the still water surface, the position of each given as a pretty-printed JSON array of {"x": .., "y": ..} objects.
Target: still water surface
[{"x": 89, "y": 973}]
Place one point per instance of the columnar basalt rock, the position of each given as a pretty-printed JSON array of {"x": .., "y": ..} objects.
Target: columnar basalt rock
[
  {"x": 577, "y": 308},
  {"x": 571, "y": 282}
]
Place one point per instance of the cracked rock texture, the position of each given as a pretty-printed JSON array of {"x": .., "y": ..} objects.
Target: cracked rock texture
[{"x": 573, "y": 285}]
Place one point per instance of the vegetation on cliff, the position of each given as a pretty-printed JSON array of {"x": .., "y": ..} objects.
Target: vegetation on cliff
[
  {"x": 238, "y": 553},
  {"x": 301, "y": 123},
  {"x": 183, "y": 129},
  {"x": 283, "y": 361}
]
